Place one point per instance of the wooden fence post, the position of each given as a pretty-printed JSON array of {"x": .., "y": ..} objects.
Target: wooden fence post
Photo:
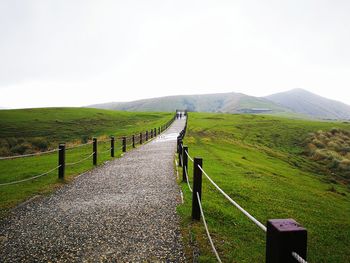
[
  {"x": 124, "y": 144},
  {"x": 159, "y": 130},
  {"x": 180, "y": 153},
  {"x": 178, "y": 144},
  {"x": 184, "y": 163},
  {"x": 151, "y": 133},
  {"x": 112, "y": 146},
  {"x": 61, "y": 160},
  {"x": 140, "y": 137},
  {"x": 146, "y": 136},
  {"x": 197, "y": 188},
  {"x": 133, "y": 141},
  {"x": 283, "y": 237},
  {"x": 94, "y": 151},
  {"x": 155, "y": 132}
]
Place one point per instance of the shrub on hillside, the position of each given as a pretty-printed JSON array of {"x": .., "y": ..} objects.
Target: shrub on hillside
[{"x": 40, "y": 143}]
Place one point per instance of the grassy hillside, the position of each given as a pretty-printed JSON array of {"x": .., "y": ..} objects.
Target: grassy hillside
[
  {"x": 24, "y": 131},
  {"x": 259, "y": 162},
  {"x": 304, "y": 102},
  {"x": 221, "y": 102},
  {"x": 55, "y": 125}
]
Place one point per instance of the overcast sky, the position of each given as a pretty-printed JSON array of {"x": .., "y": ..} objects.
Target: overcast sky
[{"x": 74, "y": 53}]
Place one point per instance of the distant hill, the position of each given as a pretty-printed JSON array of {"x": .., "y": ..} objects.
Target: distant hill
[
  {"x": 296, "y": 102},
  {"x": 220, "y": 102},
  {"x": 307, "y": 103}
]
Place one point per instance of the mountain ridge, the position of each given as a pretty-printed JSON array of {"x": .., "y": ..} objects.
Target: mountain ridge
[{"x": 295, "y": 102}]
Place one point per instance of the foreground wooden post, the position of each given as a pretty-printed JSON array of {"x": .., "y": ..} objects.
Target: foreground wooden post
[
  {"x": 94, "y": 151},
  {"x": 146, "y": 136},
  {"x": 180, "y": 153},
  {"x": 112, "y": 146},
  {"x": 184, "y": 163},
  {"x": 133, "y": 141},
  {"x": 140, "y": 137},
  {"x": 159, "y": 130},
  {"x": 151, "y": 133},
  {"x": 61, "y": 160},
  {"x": 155, "y": 132},
  {"x": 283, "y": 237},
  {"x": 124, "y": 144},
  {"x": 178, "y": 144},
  {"x": 197, "y": 188}
]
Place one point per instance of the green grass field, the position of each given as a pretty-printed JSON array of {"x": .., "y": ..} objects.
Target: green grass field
[
  {"x": 259, "y": 162},
  {"x": 62, "y": 125}
]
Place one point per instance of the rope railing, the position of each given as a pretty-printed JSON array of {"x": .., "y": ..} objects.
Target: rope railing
[
  {"x": 106, "y": 150},
  {"x": 207, "y": 230},
  {"x": 80, "y": 161},
  {"x": 189, "y": 157},
  {"x": 290, "y": 236},
  {"x": 263, "y": 227},
  {"x": 298, "y": 257},
  {"x": 134, "y": 139},
  {"x": 188, "y": 183},
  {"x": 31, "y": 178},
  {"x": 28, "y": 155},
  {"x": 78, "y": 146}
]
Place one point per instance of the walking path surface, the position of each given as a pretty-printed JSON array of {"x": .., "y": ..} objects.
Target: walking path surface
[{"x": 123, "y": 211}]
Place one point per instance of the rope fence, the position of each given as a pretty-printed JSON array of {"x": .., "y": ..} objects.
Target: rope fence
[
  {"x": 80, "y": 161},
  {"x": 206, "y": 229},
  {"x": 135, "y": 139},
  {"x": 31, "y": 178},
  {"x": 28, "y": 155},
  {"x": 286, "y": 240}
]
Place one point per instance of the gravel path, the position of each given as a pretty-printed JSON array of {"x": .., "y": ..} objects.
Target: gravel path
[{"x": 123, "y": 211}]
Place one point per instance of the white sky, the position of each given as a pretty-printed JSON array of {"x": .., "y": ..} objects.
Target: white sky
[{"x": 74, "y": 53}]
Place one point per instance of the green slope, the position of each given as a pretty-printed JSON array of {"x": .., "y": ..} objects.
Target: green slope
[
  {"x": 259, "y": 162},
  {"x": 62, "y": 125}
]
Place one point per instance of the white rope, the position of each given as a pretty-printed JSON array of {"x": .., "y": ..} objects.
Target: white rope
[
  {"x": 27, "y": 155},
  {"x": 106, "y": 150},
  {"x": 78, "y": 146},
  {"x": 31, "y": 178},
  {"x": 298, "y": 258},
  {"x": 206, "y": 229},
  {"x": 189, "y": 186},
  {"x": 189, "y": 157},
  {"x": 234, "y": 203},
  {"x": 82, "y": 160}
]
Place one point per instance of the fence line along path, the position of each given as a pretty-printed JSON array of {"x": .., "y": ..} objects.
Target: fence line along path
[{"x": 122, "y": 211}]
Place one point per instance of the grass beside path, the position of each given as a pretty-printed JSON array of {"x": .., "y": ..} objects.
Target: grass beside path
[
  {"x": 258, "y": 161},
  {"x": 67, "y": 125}
]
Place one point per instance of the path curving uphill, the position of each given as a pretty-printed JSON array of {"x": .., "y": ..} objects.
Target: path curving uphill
[{"x": 123, "y": 211}]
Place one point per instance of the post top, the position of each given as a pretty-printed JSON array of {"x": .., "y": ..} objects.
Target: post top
[{"x": 285, "y": 225}]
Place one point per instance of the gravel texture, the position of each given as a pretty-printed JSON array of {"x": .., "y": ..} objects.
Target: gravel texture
[{"x": 123, "y": 211}]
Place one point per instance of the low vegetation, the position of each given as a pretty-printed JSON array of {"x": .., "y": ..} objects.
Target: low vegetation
[
  {"x": 260, "y": 162},
  {"x": 332, "y": 150},
  {"x": 32, "y": 130}
]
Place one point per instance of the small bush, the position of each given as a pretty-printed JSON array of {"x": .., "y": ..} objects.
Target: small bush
[
  {"x": 19, "y": 149},
  {"x": 318, "y": 143},
  {"x": 40, "y": 143},
  {"x": 345, "y": 165},
  {"x": 84, "y": 139}
]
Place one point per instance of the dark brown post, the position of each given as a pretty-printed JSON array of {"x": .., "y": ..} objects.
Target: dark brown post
[
  {"x": 61, "y": 160},
  {"x": 94, "y": 151},
  {"x": 133, "y": 141},
  {"x": 185, "y": 163},
  {"x": 283, "y": 237},
  {"x": 180, "y": 153},
  {"x": 155, "y": 132},
  {"x": 178, "y": 144},
  {"x": 124, "y": 144},
  {"x": 197, "y": 188},
  {"x": 112, "y": 146},
  {"x": 140, "y": 137},
  {"x": 151, "y": 133},
  {"x": 146, "y": 136},
  {"x": 159, "y": 130}
]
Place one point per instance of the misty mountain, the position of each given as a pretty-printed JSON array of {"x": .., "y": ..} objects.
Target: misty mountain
[
  {"x": 221, "y": 102},
  {"x": 307, "y": 103},
  {"x": 296, "y": 102}
]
